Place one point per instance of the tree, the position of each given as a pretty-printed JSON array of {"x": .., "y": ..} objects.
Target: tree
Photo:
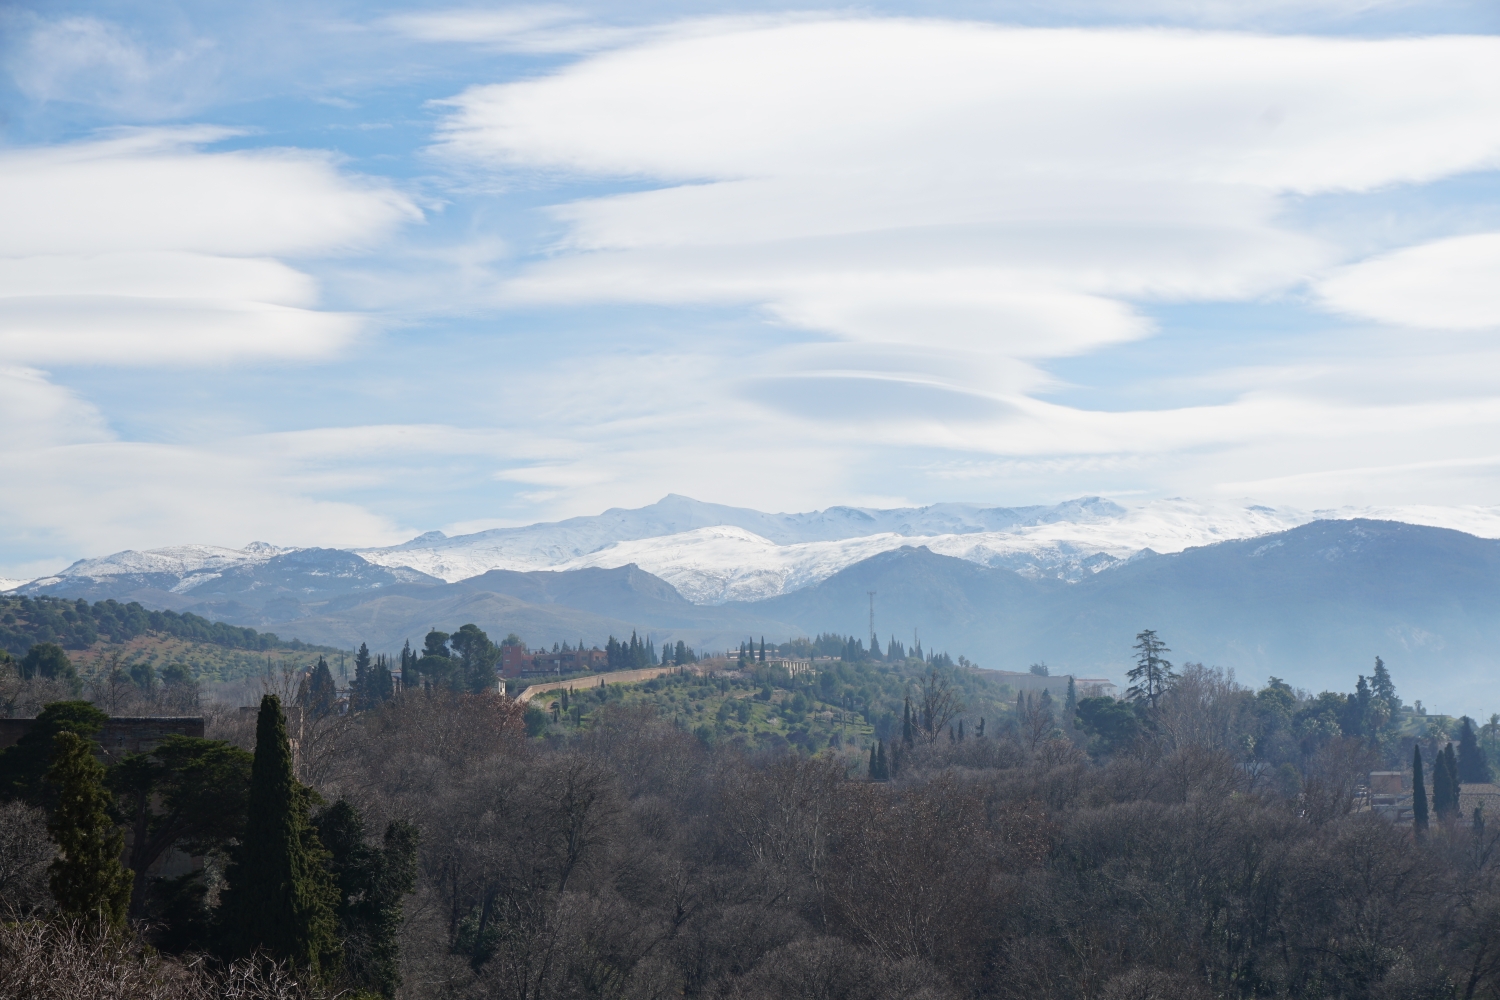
[
  {"x": 372, "y": 881},
  {"x": 358, "y": 697},
  {"x": 1070, "y": 705},
  {"x": 47, "y": 660},
  {"x": 1152, "y": 673},
  {"x": 937, "y": 705},
  {"x": 23, "y": 766},
  {"x": 1041, "y": 670},
  {"x": 87, "y": 878},
  {"x": 1384, "y": 691},
  {"x": 1112, "y": 724},
  {"x": 1445, "y": 784},
  {"x": 1418, "y": 793},
  {"x": 280, "y": 898},
  {"x": 1473, "y": 766},
  {"x": 477, "y": 658},
  {"x": 906, "y": 728},
  {"x": 188, "y": 792},
  {"x": 321, "y": 695}
]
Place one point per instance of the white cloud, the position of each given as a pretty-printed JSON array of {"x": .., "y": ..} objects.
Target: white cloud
[
  {"x": 990, "y": 190},
  {"x": 143, "y": 249},
  {"x": 1449, "y": 284}
]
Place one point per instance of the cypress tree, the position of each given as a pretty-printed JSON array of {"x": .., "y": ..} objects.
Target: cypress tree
[
  {"x": 280, "y": 897},
  {"x": 906, "y": 733},
  {"x": 1450, "y": 765},
  {"x": 87, "y": 878},
  {"x": 1070, "y": 706},
  {"x": 1418, "y": 794},
  {"x": 1473, "y": 768},
  {"x": 322, "y": 693},
  {"x": 874, "y": 768},
  {"x": 960, "y": 730},
  {"x": 881, "y": 762}
]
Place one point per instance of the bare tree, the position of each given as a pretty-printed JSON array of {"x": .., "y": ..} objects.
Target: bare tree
[
  {"x": 937, "y": 705},
  {"x": 25, "y": 853}
]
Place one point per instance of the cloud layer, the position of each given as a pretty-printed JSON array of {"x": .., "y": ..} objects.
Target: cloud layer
[{"x": 145, "y": 249}]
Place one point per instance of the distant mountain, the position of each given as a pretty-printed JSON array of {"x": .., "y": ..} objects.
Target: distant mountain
[
  {"x": 1315, "y": 605},
  {"x": 255, "y": 586},
  {"x": 543, "y": 608},
  {"x": 713, "y": 553}
]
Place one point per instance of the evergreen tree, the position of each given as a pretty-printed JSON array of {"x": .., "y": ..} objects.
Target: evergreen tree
[
  {"x": 880, "y": 760},
  {"x": 874, "y": 767},
  {"x": 1442, "y": 790},
  {"x": 1152, "y": 674},
  {"x": 1450, "y": 765},
  {"x": 1070, "y": 705},
  {"x": 763, "y": 649},
  {"x": 371, "y": 884},
  {"x": 23, "y": 765},
  {"x": 359, "y": 694},
  {"x": 87, "y": 878},
  {"x": 960, "y": 730},
  {"x": 906, "y": 731},
  {"x": 320, "y": 696},
  {"x": 1382, "y": 689},
  {"x": 1473, "y": 767},
  {"x": 1418, "y": 793},
  {"x": 280, "y": 897}
]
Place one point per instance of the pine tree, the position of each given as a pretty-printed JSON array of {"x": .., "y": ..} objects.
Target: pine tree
[
  {"x": 1418, "y": 793},
  {"x": 87, "y": 878},
  {"x": 1152, "y": 674},
  {"x": 1473, "y": 767},
  {"x": 280, "y": 898}
]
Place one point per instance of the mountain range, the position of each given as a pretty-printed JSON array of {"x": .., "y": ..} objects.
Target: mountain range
[{"x": 1309, "y": 596}]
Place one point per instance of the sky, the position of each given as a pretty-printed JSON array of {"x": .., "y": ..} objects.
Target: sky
[{"x": 329, "y": 273}]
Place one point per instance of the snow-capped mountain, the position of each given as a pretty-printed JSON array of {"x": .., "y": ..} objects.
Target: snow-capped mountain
[
  {"x": 175, "y": 569},
  {"x": 714, "y": 553}
]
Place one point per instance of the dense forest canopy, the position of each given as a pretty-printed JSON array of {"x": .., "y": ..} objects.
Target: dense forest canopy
[{"x": 889, "y": 825}]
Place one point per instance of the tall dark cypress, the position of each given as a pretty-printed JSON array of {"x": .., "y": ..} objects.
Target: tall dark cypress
[
  {"x": 881, "y": 762},
  {"x": 280, "y": 898},
  {"x": 1450, "y": 765},
  {"x": 1418, "y": 794},
  {"x": 874, "y": 767},
  {"x": 1473, "y": 767},
  {"x": 906, "y": 733}
]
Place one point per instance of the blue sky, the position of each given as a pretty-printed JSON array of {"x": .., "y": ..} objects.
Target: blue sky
[{"x": 323, "y": 273}]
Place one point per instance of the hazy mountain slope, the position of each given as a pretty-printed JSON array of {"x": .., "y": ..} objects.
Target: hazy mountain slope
[
  {"x": 588, "y": 604},
  {"x": 1314, "y": 604}
]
